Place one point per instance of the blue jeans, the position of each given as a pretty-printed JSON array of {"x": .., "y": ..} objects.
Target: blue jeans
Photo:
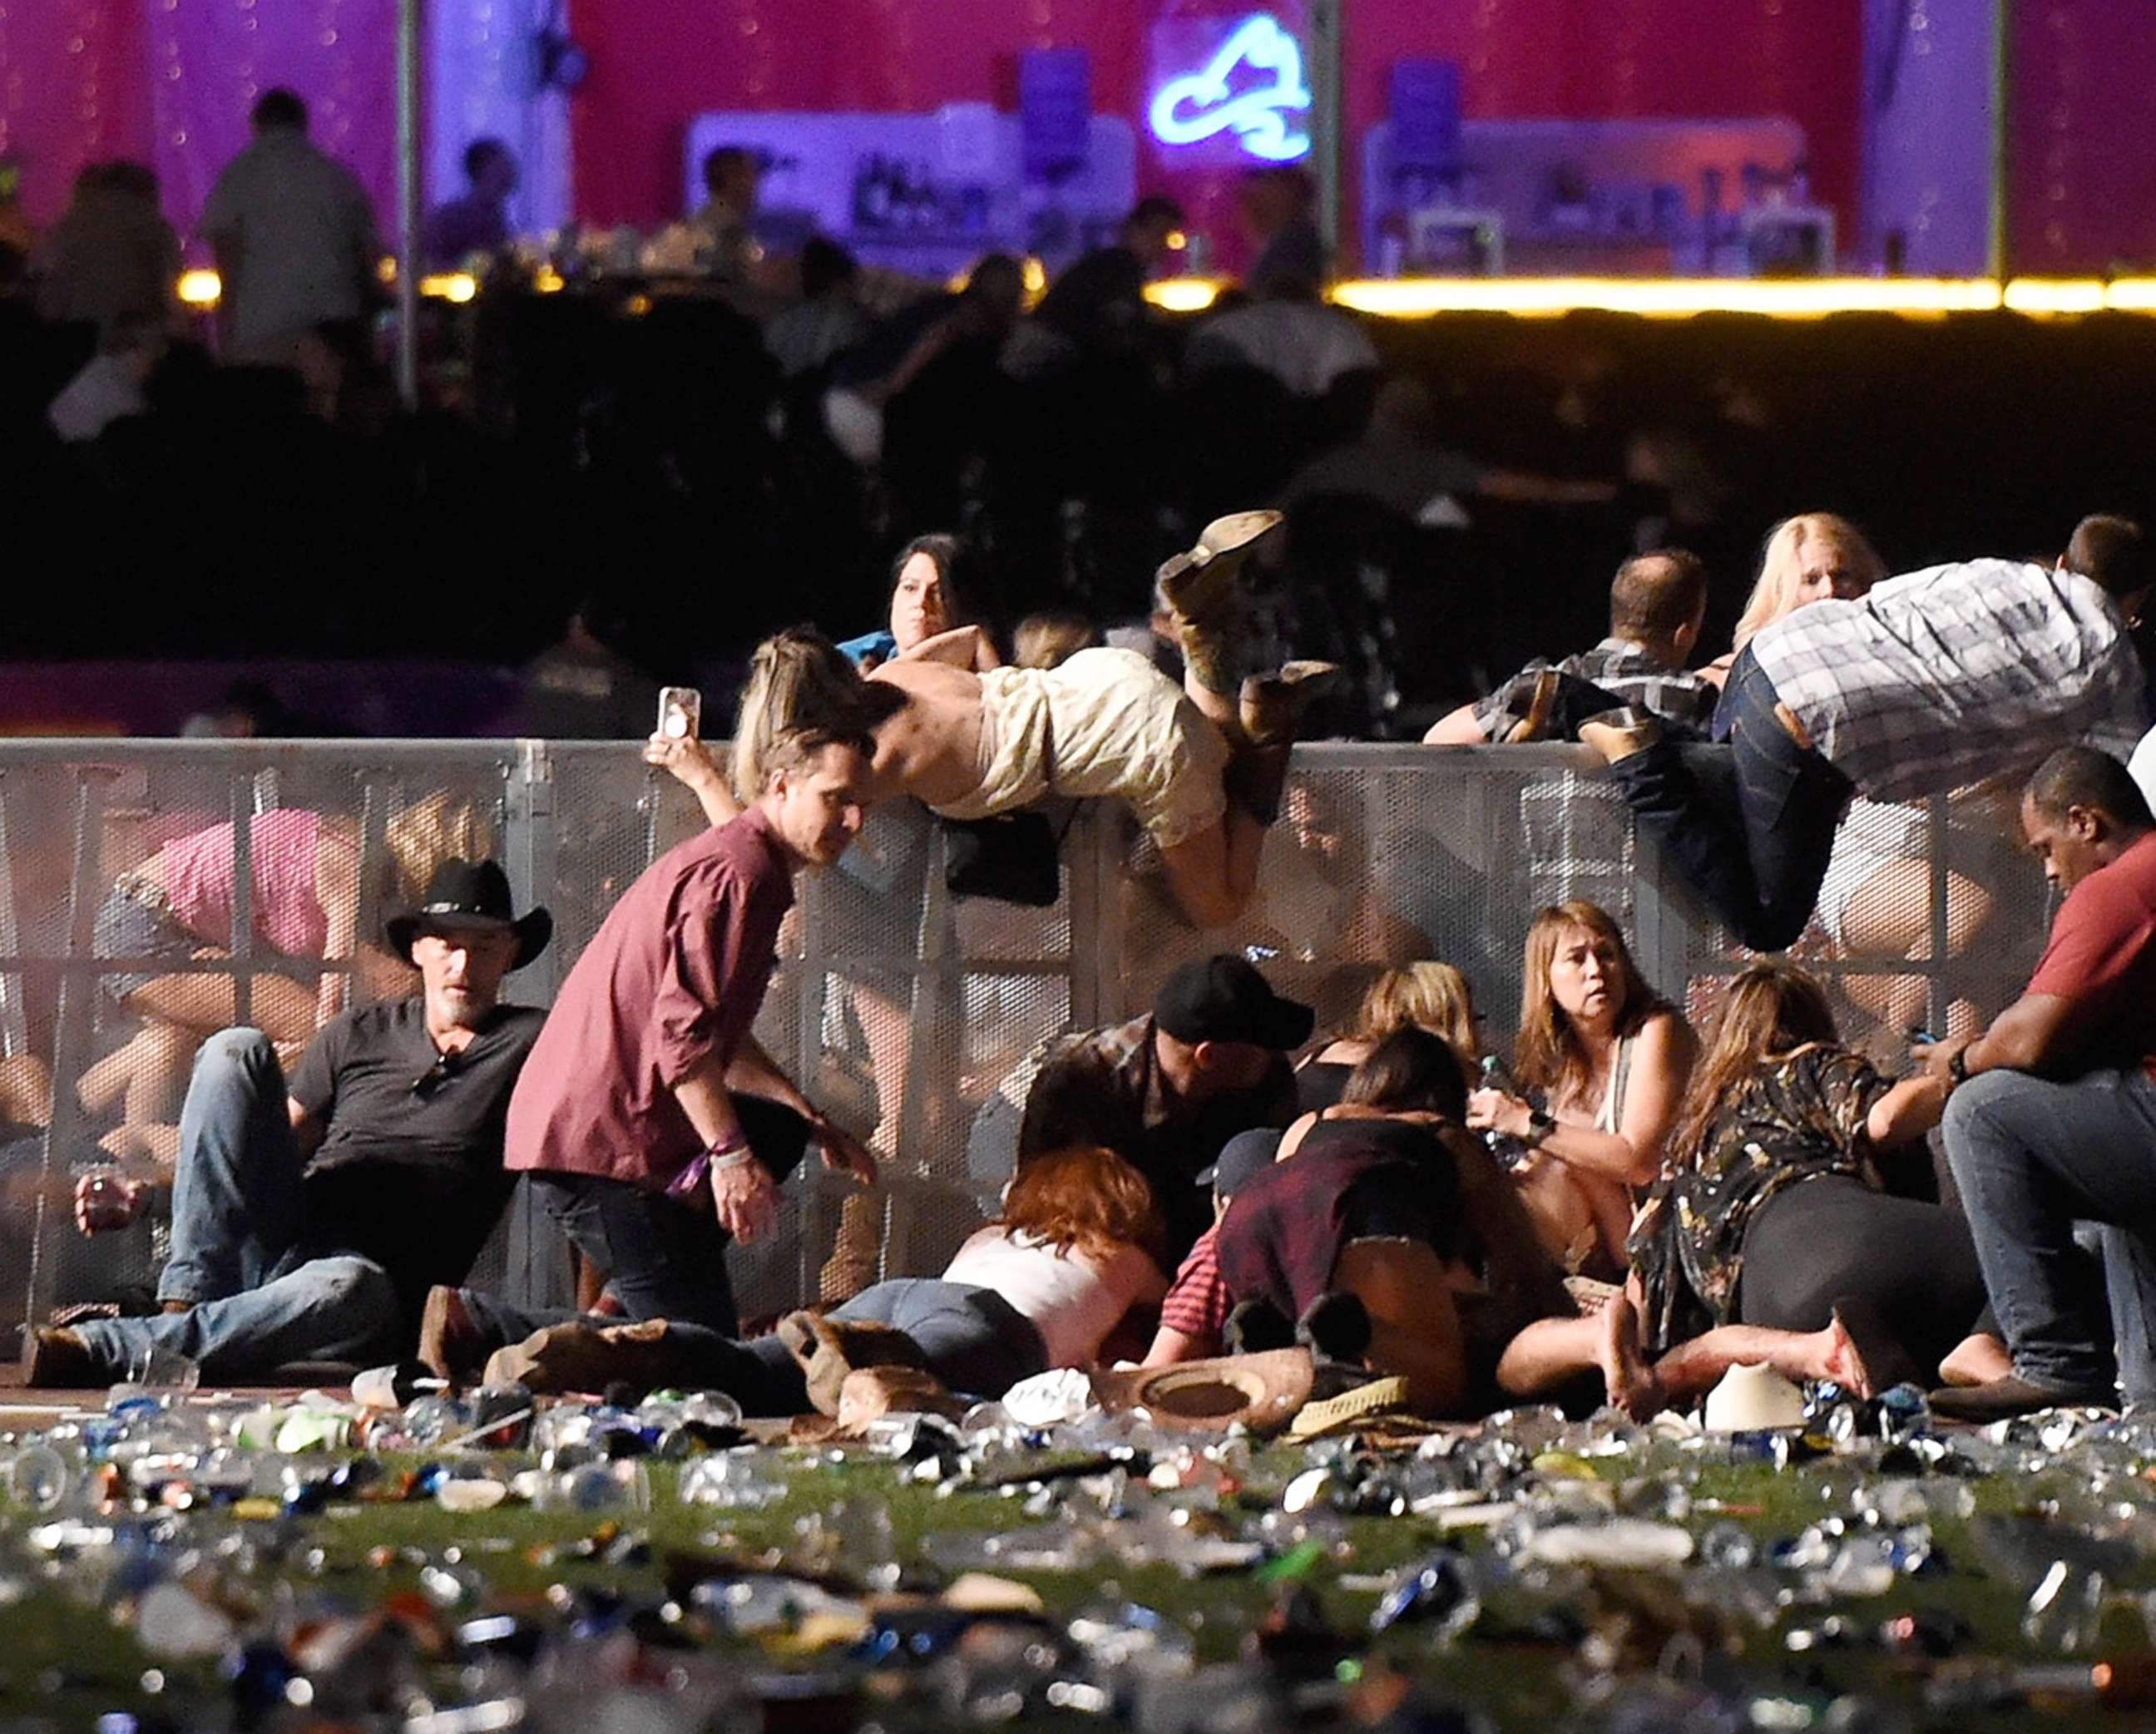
[
  {"x": 1755, "y": 851},
  {"x": 971, "y": 1339},
  {"x": 2030, "y": 1156},
  {"x": 664, "y": 1258},
  {"x": 238, "y": 1249}
]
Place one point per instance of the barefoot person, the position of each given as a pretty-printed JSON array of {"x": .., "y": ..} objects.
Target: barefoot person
[
  {"x": 1202, "y": 767},
  {"x": 1770, "y": 1235}
]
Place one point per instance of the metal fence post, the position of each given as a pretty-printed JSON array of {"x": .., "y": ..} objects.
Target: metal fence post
[
  {"x": 71, "y": 1048},
  {"x": 14, "y": 1024},
  {"x": 538, "y": 1273}
]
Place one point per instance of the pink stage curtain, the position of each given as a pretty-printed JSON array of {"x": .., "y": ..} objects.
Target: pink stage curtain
[
  {"x": 2083, "y": 177},
  {"x": 73, "y": 91},
  {"x": 1584, "y": 59}
]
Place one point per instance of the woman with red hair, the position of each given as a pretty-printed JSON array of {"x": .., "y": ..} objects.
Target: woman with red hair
[{"x": 1078, "y": 1245}]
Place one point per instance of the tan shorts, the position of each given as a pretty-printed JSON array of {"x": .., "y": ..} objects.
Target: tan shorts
[{"x": 1105, "y": 724}]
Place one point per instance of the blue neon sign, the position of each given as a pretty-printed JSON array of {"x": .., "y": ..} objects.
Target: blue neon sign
[{"x": 1201, "y": 105}]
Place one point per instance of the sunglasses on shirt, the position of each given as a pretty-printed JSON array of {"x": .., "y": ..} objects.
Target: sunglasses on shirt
[{"x": 445, "y": 1067}]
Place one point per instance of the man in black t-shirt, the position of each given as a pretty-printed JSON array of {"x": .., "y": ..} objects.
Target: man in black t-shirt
[{"x": 310, "y": 1220}]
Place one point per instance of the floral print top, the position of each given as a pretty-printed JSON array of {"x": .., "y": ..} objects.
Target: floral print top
[{"x": 1797, "y": 1115}]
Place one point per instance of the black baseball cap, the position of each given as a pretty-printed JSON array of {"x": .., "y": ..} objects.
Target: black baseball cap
[
  {"x": 1245, "y": 1154},
  {"x": 1222, "y": 998}
]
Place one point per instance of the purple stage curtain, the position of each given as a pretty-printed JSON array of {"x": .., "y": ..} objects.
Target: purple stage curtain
[{"x": 209, "y": 59}]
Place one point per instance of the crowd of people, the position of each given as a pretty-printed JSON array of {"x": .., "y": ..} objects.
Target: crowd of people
[
  {"x": 1631, "y": 1208},
  {"x": 1646, "y": 1195}
]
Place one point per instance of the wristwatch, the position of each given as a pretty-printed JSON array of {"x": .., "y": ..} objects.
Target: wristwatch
[
  {"x": 1958, "y": 1064},
  {"x": 1541, "y": 1123}
]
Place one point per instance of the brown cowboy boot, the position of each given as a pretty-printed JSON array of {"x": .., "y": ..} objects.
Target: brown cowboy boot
[
  {"x": 1197, "y": 583},
  {"x": 1210, "y": 612},
  {"x": 827, "y": 1350},
  {"x": 576, "y": 1356},
  {"x": 856, "y": 1249},
  {"x": 871, "y": 1392},
  {"x": 1272, "y": 706}
]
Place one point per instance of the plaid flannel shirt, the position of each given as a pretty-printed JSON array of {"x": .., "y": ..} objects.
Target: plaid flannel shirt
[
  {"x": 1622, "y": 669},
  {"x": 1946, "y": 676},
  {"x": 1198, "y": 1302}
]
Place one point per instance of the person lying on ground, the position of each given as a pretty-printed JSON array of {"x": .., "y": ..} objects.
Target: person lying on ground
[{"x": 1077, "y": 1247}]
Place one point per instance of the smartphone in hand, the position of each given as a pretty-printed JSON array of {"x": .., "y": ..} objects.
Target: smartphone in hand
[{"x": 680, "y": 713}]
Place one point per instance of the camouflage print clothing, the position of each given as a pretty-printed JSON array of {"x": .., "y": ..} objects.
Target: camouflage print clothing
[{"x": 1797, "y": 1116}]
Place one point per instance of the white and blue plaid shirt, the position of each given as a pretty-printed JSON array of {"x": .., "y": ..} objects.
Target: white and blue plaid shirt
[{"x": 1947, "y": 676}]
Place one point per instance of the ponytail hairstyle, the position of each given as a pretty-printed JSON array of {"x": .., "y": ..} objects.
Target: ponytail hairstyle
[{"x": 800, "y": 682}]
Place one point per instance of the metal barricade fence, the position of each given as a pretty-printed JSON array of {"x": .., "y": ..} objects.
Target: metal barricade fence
[{"x": 907, "y": 1013}]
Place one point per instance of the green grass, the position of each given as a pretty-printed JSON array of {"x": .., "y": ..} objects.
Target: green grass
[{"x": 64, "y": 1658}]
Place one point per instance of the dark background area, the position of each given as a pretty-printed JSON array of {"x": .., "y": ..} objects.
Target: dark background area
[{"x": 637, "y": 458}]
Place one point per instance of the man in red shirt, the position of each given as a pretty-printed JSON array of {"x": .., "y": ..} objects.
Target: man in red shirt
[
  {"x": 2053, "y": 1118},
  {"x": 655, "y": 1128}
]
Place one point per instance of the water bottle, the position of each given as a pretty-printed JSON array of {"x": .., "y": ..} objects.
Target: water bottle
[{"x": 1508, "y": 1150}]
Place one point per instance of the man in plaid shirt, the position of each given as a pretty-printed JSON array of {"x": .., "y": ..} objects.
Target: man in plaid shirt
[
  {"x": 1194, "y": 1312},
  {"x": 1933, "y": 681},
  {"x": 1656, "y": 603}
]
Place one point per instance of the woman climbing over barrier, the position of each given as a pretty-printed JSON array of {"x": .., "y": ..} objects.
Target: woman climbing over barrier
[{"x": 1202, "y": 766}]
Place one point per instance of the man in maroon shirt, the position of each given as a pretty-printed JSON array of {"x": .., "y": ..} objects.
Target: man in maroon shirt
[
  {"x": 655, "y": 1128},
  {"x": 2053, "y": 1119}
]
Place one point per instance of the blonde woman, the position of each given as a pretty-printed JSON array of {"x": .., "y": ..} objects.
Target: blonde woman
[
  {"x": 1876, "y": 900},
  {"x": 1807, "y": 559},
  {"x": 1609, "y": 1057},
  {"x": 1426, "y": 995}
]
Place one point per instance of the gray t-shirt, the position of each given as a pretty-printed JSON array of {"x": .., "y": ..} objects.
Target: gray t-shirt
[{"x": 304, "y": 233}]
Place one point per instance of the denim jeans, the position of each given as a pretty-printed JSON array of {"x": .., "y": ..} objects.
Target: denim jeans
[
  {"x": 238, "y": 1246},
  {"x": 2030, "y": 1156},
  {"x": 971, "y": 1339},
  {"x": 1755, "y": 850},
  {"x": 664, "y": 1258}
]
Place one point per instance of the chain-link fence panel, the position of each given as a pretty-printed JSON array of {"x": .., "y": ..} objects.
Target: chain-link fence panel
[
  {"x": 151, "y": 892},
  {"x": 156, "y": 892},
  {"x": 1930, "y": 919}
]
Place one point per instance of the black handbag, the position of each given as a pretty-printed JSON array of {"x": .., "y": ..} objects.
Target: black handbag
[{"x": 1014, "y": 857}]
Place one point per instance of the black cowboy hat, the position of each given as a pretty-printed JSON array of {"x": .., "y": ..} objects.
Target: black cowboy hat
[{"x": 468, "y": 896}]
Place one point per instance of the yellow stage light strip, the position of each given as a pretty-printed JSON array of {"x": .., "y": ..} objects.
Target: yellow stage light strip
[
  {"x": 1681, "y": 298},
  {"x": 1548, "y": 297},
  {"x": 203, "y": 289},
  {"x": 1673, "y": 298}
]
